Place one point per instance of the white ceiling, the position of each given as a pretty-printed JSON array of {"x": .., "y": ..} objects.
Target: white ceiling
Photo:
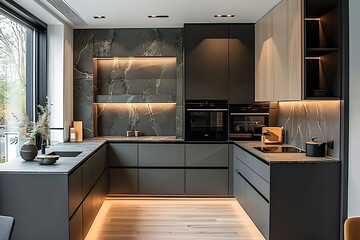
[{"x": 133, "y": 13}]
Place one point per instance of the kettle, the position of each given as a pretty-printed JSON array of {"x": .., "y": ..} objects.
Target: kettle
[{"x": 315, "y": 148}]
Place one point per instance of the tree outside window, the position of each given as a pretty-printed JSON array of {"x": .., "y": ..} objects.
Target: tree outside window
[{"x": 15, "y": 56}]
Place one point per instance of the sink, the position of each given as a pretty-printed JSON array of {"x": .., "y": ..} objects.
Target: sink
[{"x": 65, "y": 153}]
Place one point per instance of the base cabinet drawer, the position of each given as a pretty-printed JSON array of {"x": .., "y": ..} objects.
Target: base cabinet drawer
[
  {"x": 207, "y": 181},
  {"x": 207, "y": 155},
  {"x": 239, "y": 185},
  {"x": 92, "y": 169},
  {"x": 258, "y": 209},
  {"x": 161, "y": 181},
  {"x": 161, "y": 155},
  {"x": 123, "y": 181},
  {"x": 93, "y": 202},
  {"x": 75, "y": 225},
  {"x": 75, "y": 195},
  {"x": 123, "y": 154}
]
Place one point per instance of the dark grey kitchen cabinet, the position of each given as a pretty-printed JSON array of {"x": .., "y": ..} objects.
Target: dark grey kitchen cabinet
[
  {"x": 93, "y": 201},
  {"x": 287, "y": 200},
  {"x": 161, "y": 181},
  {"x": 92, "y": 169},
  {"x": 207, "y": 155},
  {"x": 239, "y": 187},
  {"x": 75, "y": 194},
  {"x": 207, "y": 181},
  {"x": 124, "y": 180},
  {"x": 220, "y": 63},
  {"x": 258, "y": 209},
  {"x": 123, "y": 154},
  {"x": 75, "y": 225},
  {"x": 161, "y": 155},
  {"x": 206, "y": 62},
  {"x": 241, "y": 63}
]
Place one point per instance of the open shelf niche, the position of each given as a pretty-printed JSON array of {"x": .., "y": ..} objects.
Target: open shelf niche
[{"x": 322, "y": 29}]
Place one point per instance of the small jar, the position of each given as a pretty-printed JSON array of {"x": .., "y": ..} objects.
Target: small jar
[
  {"x": 129, "y": 133},
  {"x": 137, "y": 133},
  {"x": 72, "y": 135}
]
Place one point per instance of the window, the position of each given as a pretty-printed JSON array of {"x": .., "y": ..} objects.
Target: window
[{"x": 22, "y": 79}]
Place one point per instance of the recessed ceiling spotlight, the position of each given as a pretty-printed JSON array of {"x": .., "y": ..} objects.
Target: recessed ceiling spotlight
[
  {"x": 99, "y": 17},
  {"x": 158, "y": 16},
  {"x": 224, "y": 15}
]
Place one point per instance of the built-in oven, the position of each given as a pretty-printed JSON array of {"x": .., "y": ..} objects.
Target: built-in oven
[
  {"x": 206, "y": 120},
  {"x": 246, "y": 121}
]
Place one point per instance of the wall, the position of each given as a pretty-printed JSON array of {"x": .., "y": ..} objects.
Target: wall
[
  {"x": 59, "y": 84},
  {"x": 125, "y": 81},
  {"x": 354, "y": 113},
  {"x": 307, "y": 119}
]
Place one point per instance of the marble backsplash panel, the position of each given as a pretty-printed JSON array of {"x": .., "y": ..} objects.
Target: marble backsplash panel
[
  {"x": 307, "y": 119},
  {"x": 149, "y": 119},
  {"x": 151, "y": 79},
  {"x": 141, "y": 83}
]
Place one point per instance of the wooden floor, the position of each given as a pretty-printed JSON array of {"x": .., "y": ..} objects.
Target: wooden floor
[{"x": 172, "y": 219}]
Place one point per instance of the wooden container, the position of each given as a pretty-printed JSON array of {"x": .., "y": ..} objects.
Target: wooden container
[{"x": 78, "y": 125}]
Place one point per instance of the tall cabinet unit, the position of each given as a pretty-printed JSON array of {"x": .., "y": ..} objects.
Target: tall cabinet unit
[{"x": 219, "y": 62}]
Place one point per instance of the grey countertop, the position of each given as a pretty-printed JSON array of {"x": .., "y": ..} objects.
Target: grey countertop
[
  {"x": 65, "y": 165},
  {"x": 141, "y": 139},
  {"x": 281, "y": 157}
]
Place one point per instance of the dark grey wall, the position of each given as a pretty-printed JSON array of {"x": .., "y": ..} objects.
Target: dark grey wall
[
  {"x": 307, "y": 119},
  {"x": 129, "y": 81}
]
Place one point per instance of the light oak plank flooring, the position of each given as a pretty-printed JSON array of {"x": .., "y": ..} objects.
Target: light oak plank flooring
[{"x": 172, "y": 219}]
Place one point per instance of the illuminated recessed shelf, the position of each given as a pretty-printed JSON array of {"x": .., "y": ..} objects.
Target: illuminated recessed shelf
[
  {"x": 318, "y": 52},
  {"x": 134, "y": 99}
]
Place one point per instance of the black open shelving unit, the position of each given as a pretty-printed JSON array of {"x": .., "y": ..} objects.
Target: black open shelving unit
[{"x": 323, "y": 49}]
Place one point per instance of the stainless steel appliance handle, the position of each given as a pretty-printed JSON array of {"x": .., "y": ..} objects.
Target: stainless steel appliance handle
[
  {"x": 249, "y": 114},
  {"x": 207, "y": 110}
]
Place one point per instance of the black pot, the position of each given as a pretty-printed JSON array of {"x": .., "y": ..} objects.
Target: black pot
[{"x": 315, "y": 149}]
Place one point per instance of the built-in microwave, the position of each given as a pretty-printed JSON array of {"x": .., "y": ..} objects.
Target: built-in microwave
[
  {"x": 206, "y": 120},
  {"x": 246, "y": 120}
]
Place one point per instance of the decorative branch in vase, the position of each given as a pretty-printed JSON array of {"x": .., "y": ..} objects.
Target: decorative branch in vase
[
  {"x": 39, "y": 128},
  {"x": 43, "y": 125}
]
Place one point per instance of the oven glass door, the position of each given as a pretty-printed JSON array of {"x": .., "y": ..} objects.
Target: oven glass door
[
  {"x": 247, "y": 126},
  {"x": 207, "y": 125}
]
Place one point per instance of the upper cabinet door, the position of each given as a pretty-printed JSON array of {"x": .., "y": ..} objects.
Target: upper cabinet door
[
  {"x": 278, "y": 53},
  {"x": 241, "y": 64},
  {"x": 206, "y": 62}
]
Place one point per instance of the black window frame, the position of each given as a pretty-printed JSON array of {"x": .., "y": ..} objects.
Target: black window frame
[{"x": 38, "y": 80}]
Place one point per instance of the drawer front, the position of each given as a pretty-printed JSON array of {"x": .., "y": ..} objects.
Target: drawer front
[
  {"x": 161, "y": 155},
  {"x": 123, "y": 154},
  {"x": 252, "y": 162},
  {"x": 239, "y": 186},
  {"x": 123, "y": 181},
  {"x": 207, "y": 181},
  {"x": 75, "y": 225},
  {"x": 258, "y": 182},
  {"x": 258, "y": 210},
  {"x": 239, "y": 165},
  {"x": 75, "y": 194},
  {"x": 161, "y": 181},
  {"x": 207, "y": 155},
  {"x": 92, "y": 169}
]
